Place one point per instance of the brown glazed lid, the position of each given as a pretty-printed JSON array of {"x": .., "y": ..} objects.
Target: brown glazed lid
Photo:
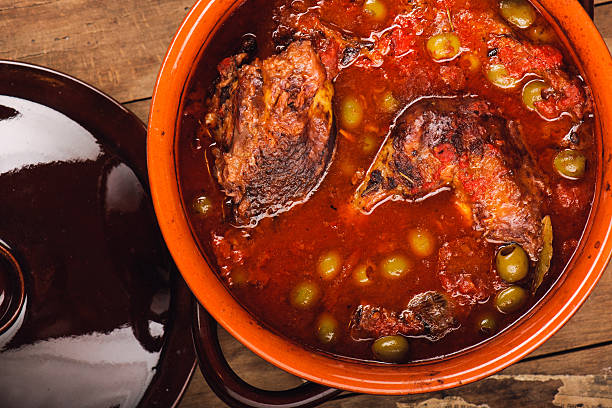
[{"x": 92, "y": 311}]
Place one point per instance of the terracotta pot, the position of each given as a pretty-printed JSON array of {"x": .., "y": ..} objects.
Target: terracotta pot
[{"x": 542, "y": 321}]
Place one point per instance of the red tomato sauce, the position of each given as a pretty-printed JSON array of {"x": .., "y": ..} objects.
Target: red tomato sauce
[{"x": 262, "y": 265}]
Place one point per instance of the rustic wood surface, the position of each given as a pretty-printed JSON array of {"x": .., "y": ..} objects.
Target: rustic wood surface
[{"x": 118, "y": 46}]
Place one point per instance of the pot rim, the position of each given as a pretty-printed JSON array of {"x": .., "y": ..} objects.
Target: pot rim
[{"x": 550, "y": 313}]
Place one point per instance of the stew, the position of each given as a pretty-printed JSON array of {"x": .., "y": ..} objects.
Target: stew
[{"x": 387, "y": 180}]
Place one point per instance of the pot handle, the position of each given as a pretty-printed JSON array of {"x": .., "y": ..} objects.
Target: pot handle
[
  {"x": 589, "y": 6},
  {"x": 234, "y": 391}
]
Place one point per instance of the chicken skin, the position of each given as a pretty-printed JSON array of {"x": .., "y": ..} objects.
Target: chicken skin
[
  {"x": 463, "y": 144},
  {"x": 272, "y": 121}
]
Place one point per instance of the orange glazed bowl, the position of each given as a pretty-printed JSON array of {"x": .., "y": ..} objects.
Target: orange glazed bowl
[{"x": 592, "y": 58}]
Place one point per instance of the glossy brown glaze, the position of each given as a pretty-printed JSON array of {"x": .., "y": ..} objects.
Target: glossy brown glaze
[{"x": 102, "y": 293}]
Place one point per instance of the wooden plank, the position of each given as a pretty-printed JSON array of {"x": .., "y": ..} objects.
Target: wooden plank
[
  {"x": 568, "y": 380},
  {"x": 589, "y": 325},
  {"x": 115, "y": 45},
  {"x": 140, "y": 108},
  {"x": 125, "y": 40}
]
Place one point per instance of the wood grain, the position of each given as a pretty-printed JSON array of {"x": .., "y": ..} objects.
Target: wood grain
[
  {"x": 140, "y": 108},
  {"x": 589, "y": 325},
  {"x": 582, "y": 377},
  {"x": 115, "y": 45},
  {"x": 603, "y": 21}
]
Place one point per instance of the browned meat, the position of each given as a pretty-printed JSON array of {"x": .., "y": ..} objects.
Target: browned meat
[
  {"x": 461, "y": 143},
  {"x": 428, "y": 314},
  {"x": 272, "y": 120},
  {"x": 338, "y": 48}
]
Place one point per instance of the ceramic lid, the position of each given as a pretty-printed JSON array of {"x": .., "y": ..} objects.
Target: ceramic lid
[{"x": 92, "y": 310}]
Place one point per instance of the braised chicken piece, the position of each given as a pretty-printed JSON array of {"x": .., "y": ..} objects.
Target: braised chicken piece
[
  {"x": 272, "y": 121},
  {"x": 428, "y": 314},
  {"x": 462, "y": 143}
]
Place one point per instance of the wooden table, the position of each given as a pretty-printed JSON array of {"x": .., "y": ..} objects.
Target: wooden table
[{"x": 118, "y": 46}]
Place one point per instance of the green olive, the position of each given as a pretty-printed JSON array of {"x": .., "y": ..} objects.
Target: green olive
[
  {"x": 487, "y": 324},
  {"x": 329, "y": 265},
  {"x": 375, "y": 9},
  {"x": 512, "y": 263},
  {"x": 444, "y": 46},
  {"x": 541, "y": 33},
  {"x": 388, "y": 103},
  {"x": 498, "y": 75},
  {"x": 571, "y": 164},
  {"x": 327, "y": 328},
  {"x": 421, "y": 242},
  {"x": 532, "y": 93},
  {"x": 202, "y": 205},
  {"x": 360, "y": 275},
  {"x": 518, "y": 12},
  {"x": 395, "y": 266},
  {"x": 511, "y": 299},
  {"x": 351, "y": 112},
  {"x": 392, "y": 349},
  {"x": 304, "y": 295}
]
